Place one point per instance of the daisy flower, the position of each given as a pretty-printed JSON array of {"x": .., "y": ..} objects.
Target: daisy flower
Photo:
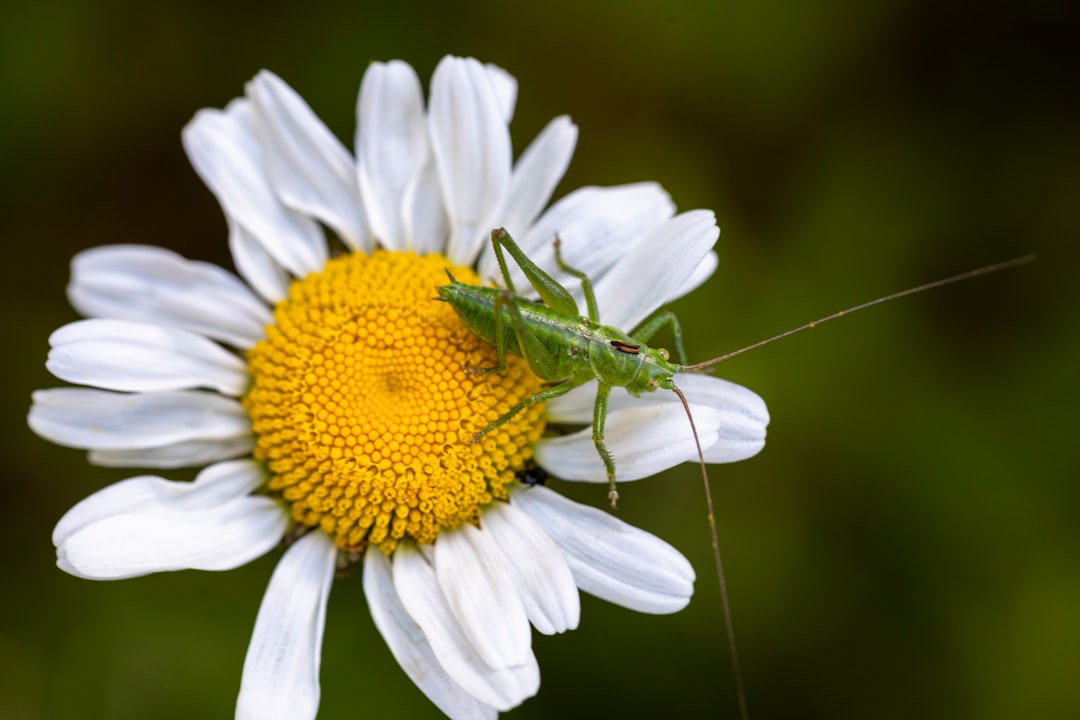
[{"x": 328, "y": 399}]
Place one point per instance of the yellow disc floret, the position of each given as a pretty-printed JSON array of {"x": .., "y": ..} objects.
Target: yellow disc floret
[{"x": 365, "y": 408}]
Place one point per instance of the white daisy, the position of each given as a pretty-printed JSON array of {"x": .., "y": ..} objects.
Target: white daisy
[{"x": 331, "y": 394}]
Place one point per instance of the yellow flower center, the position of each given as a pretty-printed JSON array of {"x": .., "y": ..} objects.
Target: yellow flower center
[{"x": 365, "y": 410}]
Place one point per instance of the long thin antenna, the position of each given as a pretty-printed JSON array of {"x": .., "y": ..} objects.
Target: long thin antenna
[
  {"x": 744, "y": 713},
  {"x": 729, "y": 625},
  {"x": 903, "y": 293}
]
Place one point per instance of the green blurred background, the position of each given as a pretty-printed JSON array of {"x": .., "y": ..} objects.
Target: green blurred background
[{"x": 907, "y": 543}]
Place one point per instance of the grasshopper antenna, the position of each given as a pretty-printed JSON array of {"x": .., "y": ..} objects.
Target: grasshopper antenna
[
  {"x": 1024, "y": 260},
  {"x": 697, "y": 367},
  {"x": 728, "y": 624}
]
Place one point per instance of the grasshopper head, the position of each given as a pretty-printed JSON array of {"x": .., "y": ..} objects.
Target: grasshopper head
[{"x": 655, "y": 372}]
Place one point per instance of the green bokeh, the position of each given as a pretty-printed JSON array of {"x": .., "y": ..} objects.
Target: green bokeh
[{"x": 907, "y": 543}]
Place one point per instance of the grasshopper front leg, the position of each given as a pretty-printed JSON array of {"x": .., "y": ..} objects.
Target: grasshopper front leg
[
  {"x": 544, "y": 395},
  {"x": 599, "y": 419}
]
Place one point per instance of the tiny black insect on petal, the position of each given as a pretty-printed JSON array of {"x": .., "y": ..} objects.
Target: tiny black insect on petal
[{"x": 532, "y": 475}]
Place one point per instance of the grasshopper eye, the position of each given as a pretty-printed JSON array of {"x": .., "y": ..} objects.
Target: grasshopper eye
[
  {"x": 653, "y": 385},
  {"x": 664, "y": 354}
]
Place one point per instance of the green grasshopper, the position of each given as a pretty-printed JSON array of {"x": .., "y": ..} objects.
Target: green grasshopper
[
  {"x": 561, "y": 347},
  {"x": 568, "y": 350}
]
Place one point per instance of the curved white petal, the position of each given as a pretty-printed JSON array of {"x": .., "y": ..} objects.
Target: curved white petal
[
  {"x": 644, "y": 439},
  {"x": 281, "y": 670},
  {"x": 530, "y": 557},
  {"x": 84, "y": 418},
  {"x": 609, "y": 558},
  {"x": 471, "y": 144},
  {"x": 159, "y": 538},
  {"x": 149, "y": 284},
  {"x": 485, "y": 602},
  {"x": 701, "y": 273},
  {"x": 576, "y": 406},
  {"x": 418, "y": 589},
  {"x": 230, "y": 155},
  {"x": 505, "y": 87},
  {"x": 409, "y": 646},
  {"x": 536, "y": 174},
  {"x": 597, "y": 226},
  {"x": 189, "y": 453},
  {"x": 740, "y": 434},
  {"x": 119, "y": 498},
  {"x": 426, "y": 225},
  {"x": 653, "y": 270},
  {"x": 391, "y": 147},
  {"x": 745, "y": 416},
  {"x": 131, "y": 356},
  {"x": 312, "y": 172},
  {"x": 213, "y": 486},
  {"x": 257, "y": 265}
]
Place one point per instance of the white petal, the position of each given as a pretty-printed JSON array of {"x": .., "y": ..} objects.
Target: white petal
[
  {"x": 281, "y": 670},
  {"x": 471, "y": 144},
  {"x": 83, "y": 418},
  {"x": 420, "y": 594},
  {"x": 256, "y": 265},
  {"x": 576, "y": 406},
  {"x": 644, "y": 439},
  {"x": 656, "y": 268},
  {"x": 409, "y": 646},
  {"x": 597, "y": 226},
  {"x": 123, "y": 355},
  {"x": 536, "y": 174},
  {"x": 222, "y": 482},
  {"x": 158, "y": 538},
  {"x": 190, "y": 453},
  {"x": 505, "y": 86},
  {"x": 391, "y": 147},
  {"x": 227, "y": 151},
  {"x": 213, "y": 486},
  {"x": 426, "y": 224},
  {"x": 701, "y": 273},
  {"x": 482, "y": 597},
  {"x": 533, "y": 561},
  {"x": 739, "y": 432},
  {"x": 148, "y": 284},
  {"x": 116, "y": 499},
  {"x": 312, "y": 171},
  {"x": 609, "y": 558}
]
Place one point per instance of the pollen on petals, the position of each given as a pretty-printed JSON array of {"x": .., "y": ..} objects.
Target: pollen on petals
[{"x": 365, "y": 410}]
